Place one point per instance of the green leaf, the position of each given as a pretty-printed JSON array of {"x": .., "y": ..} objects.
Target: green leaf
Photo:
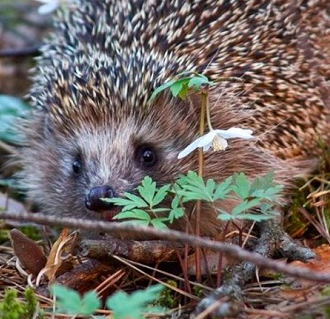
[
  {"x": 176, "y": 87},
  {"x": 193, "y": 188},
  {"x": 161, "y": 194},
  {"x": 119, "y": 201},
  {"x": 12, "y": 105},
  {"x": 245, "y": 205},
  {"x": 133, "y": 214},
  {"x": 225, "y": 216},
  {"x": 241, "y": 186},
  {"x": 134, "y": 205},
  {"x": 180, "y": 85},
  {"x": 175, "y": 202},
  {"x": 122, "y": 306},
  {"x": 159, "y": 223},
  {"x": 176, "y": 213},
  {"x": 128, "y": 204},
  {"x": 259, "y": 196},
  {"x": 90, "y": 303},
  {"x": 210, "y": 186},
  {"x": 67, "y": 300},
  {"x": 11, "y": 108},
  {"x": 184, "y": 91},
  {"x": 176, "y": 210},
  {"x": 132, "y": 306},
  {"x": 223, "y": 189},
  {"x": 161, "y": 88},
  {"x": 197, "y": 81},
  {"x": 267, "y": 209},
  {"x": 270, "y": 193},
  {"x": 138, "y": 201},
  {"x": 147, "y": 190},
  {"x": 264, "y": 182}
]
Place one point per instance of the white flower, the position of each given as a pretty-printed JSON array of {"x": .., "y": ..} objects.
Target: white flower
[
  {"x": 50, "y": 5},
  {"x": 217, "y": 139}
]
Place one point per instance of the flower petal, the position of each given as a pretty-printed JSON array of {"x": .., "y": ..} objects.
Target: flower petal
[
  {"x": 204, "y": 141},
  {"x": 235, "y": 132},
  {"x": 191, "y": 147},
  {"x": 207, "y": 147}
]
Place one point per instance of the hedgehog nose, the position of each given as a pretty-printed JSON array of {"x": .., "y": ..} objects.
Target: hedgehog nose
[{"x": 93, "y": 200}]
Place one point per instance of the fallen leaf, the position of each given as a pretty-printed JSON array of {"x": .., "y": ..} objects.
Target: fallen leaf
[
  {"x": 29, "y": 253},
  {"x": 54, "y": 261}
]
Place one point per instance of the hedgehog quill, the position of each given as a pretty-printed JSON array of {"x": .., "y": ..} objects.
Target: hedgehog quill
[{"x": 93, "y": 134}]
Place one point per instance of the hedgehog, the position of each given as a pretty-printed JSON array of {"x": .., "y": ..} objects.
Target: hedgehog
[{"x": 94, "y": 133}]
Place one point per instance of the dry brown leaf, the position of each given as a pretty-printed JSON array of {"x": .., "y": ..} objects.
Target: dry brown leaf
[
  {"x": 29, "y": 253},
  {"x": 54, "y": 260}
]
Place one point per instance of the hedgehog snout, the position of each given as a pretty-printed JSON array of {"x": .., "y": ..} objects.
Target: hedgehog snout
[{"x": 93, "y": 200}]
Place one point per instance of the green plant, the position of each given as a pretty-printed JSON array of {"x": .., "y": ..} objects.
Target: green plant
[
  {"x": 132, "y": 306},
  {"x": 180, "y": 86},
  {"x": 144, "y": 209},
  {"x": 13, "y": 308},
  {"x": 181, "y": 83},
  {"x": 69, "y": 301},
  {"x": 31, "y": 302},
  {"x": 167, "y": 296},
  {"x": 124, "y": 306},
  {"x": 326, "y": 292},
  {"x": 11, "y": 109},
  {"x": 259, "y": 195}
]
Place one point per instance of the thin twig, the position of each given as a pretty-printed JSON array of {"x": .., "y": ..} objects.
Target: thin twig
[{"x": 173, "y": 235}]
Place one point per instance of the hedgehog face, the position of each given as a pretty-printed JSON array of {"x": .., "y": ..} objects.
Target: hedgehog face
[
  {"x": 74, "y": 168},
  {"x": 106, "y": 162}
]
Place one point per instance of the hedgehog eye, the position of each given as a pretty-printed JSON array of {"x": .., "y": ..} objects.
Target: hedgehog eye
[
  {"x": 76, "y": 166},
  {"x": 146, "y": 156}
]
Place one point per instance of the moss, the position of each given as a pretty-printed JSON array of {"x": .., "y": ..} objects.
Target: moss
[
  {"x": 31, "y": 231},
  {"x": 167, "y": 298},
  {"x": 295, "y": 223},
  {"x": 13, "y": 308},
  {"x": 31, "y": 302}
]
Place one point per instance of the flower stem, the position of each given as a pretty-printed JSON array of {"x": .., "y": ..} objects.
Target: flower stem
[
  {"x": 208, "y": 116},
  {"x": 204, "y": 107}
]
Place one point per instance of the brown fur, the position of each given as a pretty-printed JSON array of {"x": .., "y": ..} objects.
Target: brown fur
[{"x": 106, "y": 57}]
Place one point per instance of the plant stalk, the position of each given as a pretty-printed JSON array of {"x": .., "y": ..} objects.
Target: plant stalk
[{"x": 204, "y": 107}]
